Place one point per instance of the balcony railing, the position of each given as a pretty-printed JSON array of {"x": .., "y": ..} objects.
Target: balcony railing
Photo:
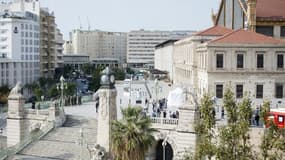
[{"x": 168, "y": 121}]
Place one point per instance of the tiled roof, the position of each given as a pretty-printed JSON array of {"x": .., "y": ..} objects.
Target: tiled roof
[
  {"x": 214, "y": 31},
  {"x": 270, "y": 10},
  {"x": 246, "y": 37}
]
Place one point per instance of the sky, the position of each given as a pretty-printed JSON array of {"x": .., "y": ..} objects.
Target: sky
[{"x": 126, "y": 15}]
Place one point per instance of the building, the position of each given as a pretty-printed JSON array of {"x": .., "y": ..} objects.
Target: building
[
  {"x": 185, "y": 57},
  {"x": 19, "y": 43},
  {"x": 163, "y": 57},
  {"x": 245, "y": 61},
  {"x": 98, "y": 44},
  {"x": 141, "y": 45},
  {"x": 263, "y": 16},
  {"x": 59, "y": 49},
  {"x": 76, "y": 61},
  {"x": 48, "y": 44}
]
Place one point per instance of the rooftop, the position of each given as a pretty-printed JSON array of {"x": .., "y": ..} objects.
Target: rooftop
[
  {"x": 242, "y": 36},
  {"x": 270, "y": 10},
  {"x": 214, "y": 31}
]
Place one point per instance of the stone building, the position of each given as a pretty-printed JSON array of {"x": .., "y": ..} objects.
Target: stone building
[
  {"x": 185, "y": 58},
  {"x": 163, "y": 57},
  {"x": 245, "y": 61},
  {"x": 263, "y": 16}
]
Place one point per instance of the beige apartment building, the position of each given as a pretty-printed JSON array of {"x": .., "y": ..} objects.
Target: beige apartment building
[
  {"x": 98, "y": 44},
  {"x": 48, "y": 45},
  {"x": 245, "y": 61}
]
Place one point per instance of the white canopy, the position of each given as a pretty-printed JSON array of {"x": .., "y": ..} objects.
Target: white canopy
[{"x": 175, "y": 99}]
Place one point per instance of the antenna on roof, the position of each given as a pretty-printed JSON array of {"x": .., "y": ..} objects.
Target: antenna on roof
[
  {"x": 88, "y": 24},
  {"x": 80, "y": 27}
]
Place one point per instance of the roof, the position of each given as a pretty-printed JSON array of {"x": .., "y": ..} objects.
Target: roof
[
  {"x": 170, "y": 41},
  {"x": 214, "y": 31},
  {"x": 270, "y": 10},
  {"x": 242, "y": 36}
]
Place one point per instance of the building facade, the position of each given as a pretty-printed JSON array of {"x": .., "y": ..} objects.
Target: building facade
[
  {"x": 249, "y": 63},
  {"x": 19, "y": 46},
  {"x": 263, "y": 16},
  {"x": 48, "y": 44},
  {"x": 59, "y": 49},
  {"x": 184, "y": 58},
  {"x": 141, "y": 45},
  {"x": 163, "y": 57},
  {"x": 98, "y": 44},
  {"x": 75, "y": 61}
]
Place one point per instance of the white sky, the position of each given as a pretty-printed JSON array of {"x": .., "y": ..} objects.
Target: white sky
[{"x": 126, "y": 15}]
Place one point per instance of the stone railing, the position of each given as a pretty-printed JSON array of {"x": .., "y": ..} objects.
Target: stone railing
[
  {"x": 6, "y": 152},
  {"x": 169, "y": 121},
  {"x": 164, "y": 123}
]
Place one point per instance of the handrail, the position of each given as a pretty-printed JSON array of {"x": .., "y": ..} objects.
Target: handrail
[{"x": 4, "y": 153}]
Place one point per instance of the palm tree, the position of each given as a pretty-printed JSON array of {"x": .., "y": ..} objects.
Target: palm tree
[{"x": 131, "y": 136}]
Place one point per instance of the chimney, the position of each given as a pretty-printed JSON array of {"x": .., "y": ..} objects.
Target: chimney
[{"x": 251, "y": 14}]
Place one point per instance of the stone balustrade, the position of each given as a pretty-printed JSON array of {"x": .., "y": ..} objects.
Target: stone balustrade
[
  {"x": 170, "y": 121},
  {"x": 164, "y": 123}
]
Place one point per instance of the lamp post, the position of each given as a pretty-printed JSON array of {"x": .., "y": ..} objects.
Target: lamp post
[
  {"x": 130, "y": 90},
  {"x": 61, "y": 87},
  {"x": 164, "y": 143}
]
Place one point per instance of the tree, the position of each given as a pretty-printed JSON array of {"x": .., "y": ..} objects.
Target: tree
[
  {"x": 94, "y": 83},
  {"x": 205, "y": 129},
  {"x": 273, "y": 140},
  {"x": 87, "y": 68},
  {"x": 234, "y": 137},
  {"x": 119, "y": 74},
  {"x": 131, "y": 136},
  {"x": 4, "y": 93}
]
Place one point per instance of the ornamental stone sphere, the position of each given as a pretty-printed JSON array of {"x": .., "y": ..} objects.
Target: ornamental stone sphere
[{"x": 107, "y": 78}]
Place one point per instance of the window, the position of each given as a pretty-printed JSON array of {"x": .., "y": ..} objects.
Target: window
[
  {"x": 219, "y": 91},
  {"x": 266, "y": 30},
  {"x": 239, "y": 91},
  {"x": 259, "y": 91},
  {"x": 220, "y": 61},
  {"x": 239, "y": 60},
  {"x": 282, "y": 31},
  {"x": 280, "y": 61},
  {"x": 279, "y": 90},
  {"x": 280, "y": 119},
  {"x": 260, "y": 61}
]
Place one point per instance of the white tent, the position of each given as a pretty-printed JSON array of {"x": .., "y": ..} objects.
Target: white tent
[{"x": 175, "y": 99}]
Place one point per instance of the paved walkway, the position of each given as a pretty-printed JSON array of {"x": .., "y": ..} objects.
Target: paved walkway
[{"x": 63, "y": 143}]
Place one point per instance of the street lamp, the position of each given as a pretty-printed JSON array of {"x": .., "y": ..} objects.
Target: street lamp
[
  {"x": 61, "y": 87},
  {"x": 130, "y": 90},
  {"x": 164, "y": 143}
]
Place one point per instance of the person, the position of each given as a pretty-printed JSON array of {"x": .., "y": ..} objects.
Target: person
[
  {"x": 257, "y": 119},
  {"x": 223, "y": 112},
  {"x": 164, "y": 114}
]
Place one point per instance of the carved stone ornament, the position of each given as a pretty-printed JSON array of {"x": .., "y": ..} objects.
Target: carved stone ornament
[
  {"x": 107, "y": 78},
  {"x": 16, "y": 91},
  {"x": 96, "y": 152},
  {"x": 104, "y": 105}
]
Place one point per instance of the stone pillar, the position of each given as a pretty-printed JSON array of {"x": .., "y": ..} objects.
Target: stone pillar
[
  {"x": 186, "y": 136},
  {"x": 16, "y": 126},
  {"x": 107, "y": 111},
  {"x": 106, "y": 114}
]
